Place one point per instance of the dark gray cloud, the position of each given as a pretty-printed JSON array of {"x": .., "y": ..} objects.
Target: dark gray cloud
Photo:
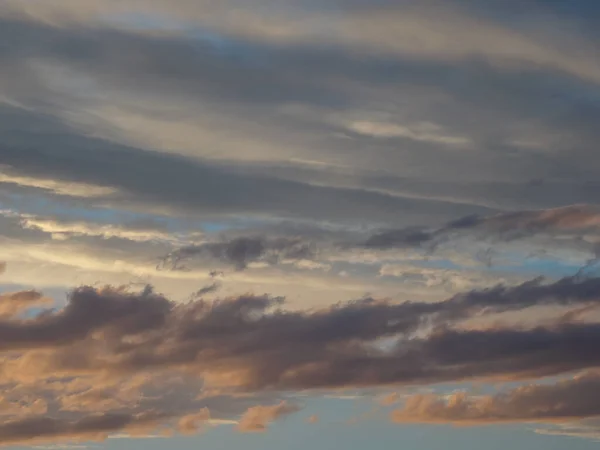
[
  {"x": 269, "y": 347},
  {"x": 172, "y": 182},
  {"x": 87, "y": 311},
  {"x": 564, "y": 292},
  {"x": 573, "y": 221},
  {"x": 447, "y": 356},
  {"x": 204, "y": 71},
  {"x": 209, "y": 289},
  {"x": 93, "y": 427},
  {"x": 334, "y": 348},
  {"x": 240, "y": 251}
]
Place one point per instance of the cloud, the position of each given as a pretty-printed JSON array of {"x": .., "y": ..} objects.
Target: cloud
[
  {"x": 74, "y": 189},
  {"x": 95, "y": 427},
  {"x": 243, "y": 250},
  {"x": 313, "y": 419},
  {"x": 302, "y": 138},
  {"x": 585, "y": 429},
  {"x": 87, "y": 311},
  {"x": 114, "y": 360},
  {"x": 370, "y": 191},
  {"x": 356, "y": 26},
  {"x": 214, "y": 287},
  {"x": 564, "y": 401},
  {"x": 83, "y": 408},
  {"x": 257, "y": 418},
  {"x": 569, "y": 235},
  {"x": 404, "y": 238},
  {"x": 488, "y": 192},
  {"x": 65, "y": 229},
  {"x": 574, "y": 220},
  {"x": 419, "y": 132},
  {"x": 389, "y": 399},
  {"x": 189, "y": 186},
  {"x": 14, "y": 303},
  {"x": 191, "y": 423},
  {"x": 250, "y": 343},
  {"x": 450, "y": 279}
]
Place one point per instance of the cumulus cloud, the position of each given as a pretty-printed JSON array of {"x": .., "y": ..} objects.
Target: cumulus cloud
[
  {"x": 389, "y": 399},
  {"x": 88, "y": 311},
  {"x": 257, "y": 418},
  {"x": 565, "y": 401},
  {"x": 17, "y": 302},
  {"x": 191, "y": 423},
  {"x": 302, "y": 138},
  {"x": 251, "y": 343},
  {"x": 116, "y": 360}
]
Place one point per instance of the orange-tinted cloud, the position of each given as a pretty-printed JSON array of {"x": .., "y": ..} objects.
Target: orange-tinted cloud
[
  {"x": 313, "y": 419},
  {"x": 389, "y": 399},
  {"x": 17, "y": 302},
  {"x": 257, "y": 418},
  {"x": 247, "y": 342},
  {"x": 116, "y": 352},
  {"x": 93, "y": 427},
  {"x": 565, "y": 401},
  {"x": 192, "y": 423}
]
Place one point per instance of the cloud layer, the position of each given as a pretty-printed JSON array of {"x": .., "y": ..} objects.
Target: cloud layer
[
  {"x": 91, "y": 366},
  {"x": 213, "y": 212}
]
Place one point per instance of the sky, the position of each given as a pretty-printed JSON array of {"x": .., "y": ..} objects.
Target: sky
[{"x": 299, "y": 224}]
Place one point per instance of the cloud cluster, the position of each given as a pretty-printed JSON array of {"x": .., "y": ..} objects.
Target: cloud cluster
[
  {"x": 107, "y": 349},
  {"x": 565, "y": 401},
  {"x": 573, "y": 221},
  {"x": 265, "y": 346},
  {"x": 323, "y": 151},
  {"x": 241, "y": 251}
]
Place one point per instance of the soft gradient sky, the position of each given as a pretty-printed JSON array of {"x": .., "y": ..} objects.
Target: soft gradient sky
[{"x": 299, "y": 224}]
